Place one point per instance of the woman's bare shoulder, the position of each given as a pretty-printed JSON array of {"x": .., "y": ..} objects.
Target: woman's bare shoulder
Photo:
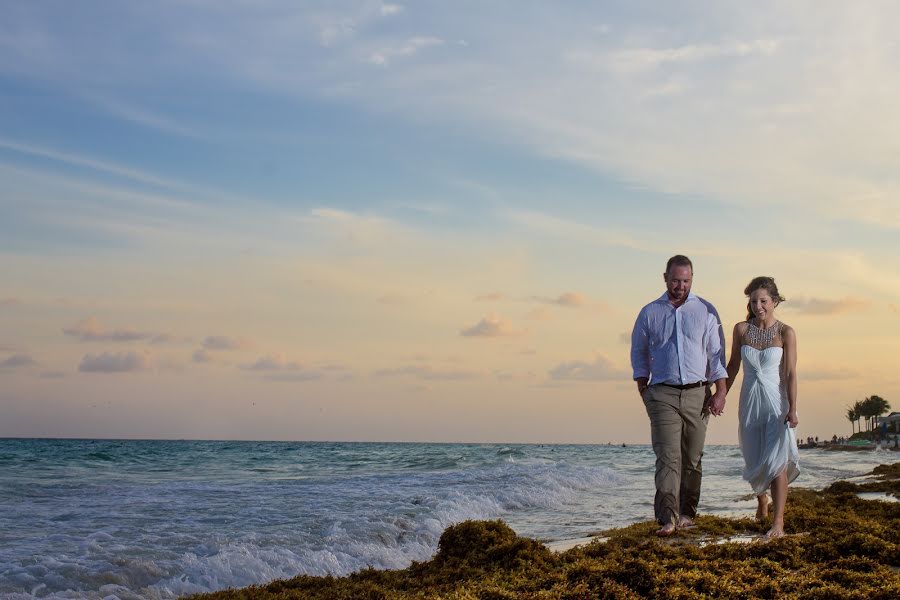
[
  {"x": 787, "y": 331},
  {"x": 741, "y": 327}
]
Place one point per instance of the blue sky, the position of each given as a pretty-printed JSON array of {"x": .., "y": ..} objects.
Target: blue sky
[{"x": 340, "y": 189}]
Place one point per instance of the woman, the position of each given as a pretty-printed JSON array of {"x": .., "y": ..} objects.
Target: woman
[{"x": 768, "y": 408}]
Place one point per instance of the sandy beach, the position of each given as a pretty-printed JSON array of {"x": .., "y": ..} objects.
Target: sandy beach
[{"x": 839, "y": 545}]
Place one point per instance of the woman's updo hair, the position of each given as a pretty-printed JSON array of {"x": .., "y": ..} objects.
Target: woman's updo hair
[{"x": 762, "y": 283}]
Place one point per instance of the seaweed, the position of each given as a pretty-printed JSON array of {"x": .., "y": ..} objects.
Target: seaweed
[{"x": 839, "y": 547}]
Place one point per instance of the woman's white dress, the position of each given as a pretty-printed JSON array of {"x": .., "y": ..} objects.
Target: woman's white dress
[{"x": 768, "y": 443}]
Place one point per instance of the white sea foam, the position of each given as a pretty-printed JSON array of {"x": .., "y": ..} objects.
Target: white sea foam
[{"x": 209, "y": 517}]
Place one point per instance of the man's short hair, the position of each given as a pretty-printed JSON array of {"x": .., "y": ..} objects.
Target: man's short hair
[{"x": 679, "y": 260}]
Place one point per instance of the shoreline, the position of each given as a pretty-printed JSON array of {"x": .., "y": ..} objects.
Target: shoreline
[{"x": 839, "y": 545}]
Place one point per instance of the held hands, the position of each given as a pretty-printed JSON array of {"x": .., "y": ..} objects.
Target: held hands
[
  {"x": 791, "y": 419},
  {"x": 717, "y": 403}
]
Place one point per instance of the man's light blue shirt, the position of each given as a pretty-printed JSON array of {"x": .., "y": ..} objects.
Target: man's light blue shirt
[{"x": 678, "y": 345}]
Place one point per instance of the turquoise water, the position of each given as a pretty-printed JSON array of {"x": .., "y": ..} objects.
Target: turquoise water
[{"x": 160, "y": 519}]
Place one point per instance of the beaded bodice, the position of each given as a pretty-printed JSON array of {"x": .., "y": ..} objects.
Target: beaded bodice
[{"x": 762, "y": 338}]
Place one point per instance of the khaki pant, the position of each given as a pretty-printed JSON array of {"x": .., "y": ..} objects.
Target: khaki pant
[{"x": 678, "y": 430}]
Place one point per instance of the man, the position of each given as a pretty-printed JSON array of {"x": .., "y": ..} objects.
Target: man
[{"x": 677, "y": 349}]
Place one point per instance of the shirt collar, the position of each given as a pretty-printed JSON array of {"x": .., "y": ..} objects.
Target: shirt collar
[{"x": 664, "y": 299}]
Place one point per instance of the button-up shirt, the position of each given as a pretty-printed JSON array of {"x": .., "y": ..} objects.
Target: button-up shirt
[{"x": 678, "y": 345}]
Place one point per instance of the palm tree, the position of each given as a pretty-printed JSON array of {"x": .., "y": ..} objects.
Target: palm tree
[
  {"x": 853, "y": 418},
  {"x": 859, "y": 411},
  {"x": 878, "y": 406}
]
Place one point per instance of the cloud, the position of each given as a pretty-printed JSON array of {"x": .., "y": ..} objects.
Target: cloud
[
  {"x": 118, "y": 362},
  {"x": 491, "y": 326},
  {"x": 408, "y": 48},
  {"x": 17, "y": 360},
  {"x": 53, "y": 374},
  {"x": 640, "y": 59},
  {"x": 601, "y": 369},
  {"x": 567, "y": 299},
  {"x": 492, "y": 297},
  {"x": 294, "y": 376},
  {"x": 10, "y": 302},
  {"x": 391, "y": 9},
  {"x": 275, "y": 362},
  {"x": 143, "y": 117},
  {"x": 91, "y": 330},
  {"x": 820, "y": 306},
  {"x": 427, "y": 373},
  {"x": 95, "y": 165},
  {"x": 202, "y": 356},
  {"x": 220, "y": 342},
  {"x": 625, "y": 337},
  {"x": 277, "y": 368}
]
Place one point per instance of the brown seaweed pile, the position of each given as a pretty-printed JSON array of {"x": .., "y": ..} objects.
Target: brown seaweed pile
[{"x": 847, "y": 548}]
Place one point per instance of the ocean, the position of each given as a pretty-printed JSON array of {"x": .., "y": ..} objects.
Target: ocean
[{"x": 133, "y": 519}]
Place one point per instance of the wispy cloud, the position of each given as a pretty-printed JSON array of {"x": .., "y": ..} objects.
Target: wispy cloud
[
  {"x": 143, "y": 117},
  {"x": 221, "y": 342},
  {"x": 411, "y": 46},
  {"x": 428, "y": 373},
  {"x": 115, "y": 362},
  {"x": 491, "y": 326},
  {"x": 93, "y": 164},
  {"x": 91, "y": 330},
  {"x": 554, "y": 226},
  {"x": 567, "y": 299},
  {"x": 53, "y": 374},
  {"x": 16, "y": 361},
  {"x": 822, "y": 306},
  {"x": 9, "y": 302},
  {"x": 492, "y": 297},
  {"x": 391, "y": 9},
  {"x": 276, "y": 362},
  {"x": 639, "y": 59},
  {"x": 276, "y": 367},
  {"x": 297, "y": 376},
  {"x": 600, "y": 368}
]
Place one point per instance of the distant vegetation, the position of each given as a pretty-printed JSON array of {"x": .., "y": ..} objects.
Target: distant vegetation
[{"x": 868, "y": 409}]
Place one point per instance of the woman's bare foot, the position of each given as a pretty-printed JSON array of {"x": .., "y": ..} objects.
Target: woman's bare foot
[{"x": 777, "y": 531}]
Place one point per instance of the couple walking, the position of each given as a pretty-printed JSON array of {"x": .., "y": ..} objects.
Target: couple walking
[{"x": 677, "y": 352}]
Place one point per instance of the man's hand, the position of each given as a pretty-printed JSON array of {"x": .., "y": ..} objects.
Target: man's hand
[
  {"x": 641, "y": 385},
  {"x": 717, "y": 402}
]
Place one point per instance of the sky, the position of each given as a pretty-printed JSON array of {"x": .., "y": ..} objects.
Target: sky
[{"x": 431, "y": 221}]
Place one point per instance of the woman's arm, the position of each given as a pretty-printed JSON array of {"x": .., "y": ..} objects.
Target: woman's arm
[
  {"x": 734, "y": 363},
  {"x": 790, "y": 373}
]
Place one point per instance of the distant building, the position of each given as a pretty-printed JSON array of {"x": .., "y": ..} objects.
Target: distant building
[{"x": 892, "y": 421}]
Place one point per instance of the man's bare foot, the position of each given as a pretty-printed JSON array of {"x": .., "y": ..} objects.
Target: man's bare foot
[
  {"x": 666, "y": 530},
  {"x": 685, "y": 523}
]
